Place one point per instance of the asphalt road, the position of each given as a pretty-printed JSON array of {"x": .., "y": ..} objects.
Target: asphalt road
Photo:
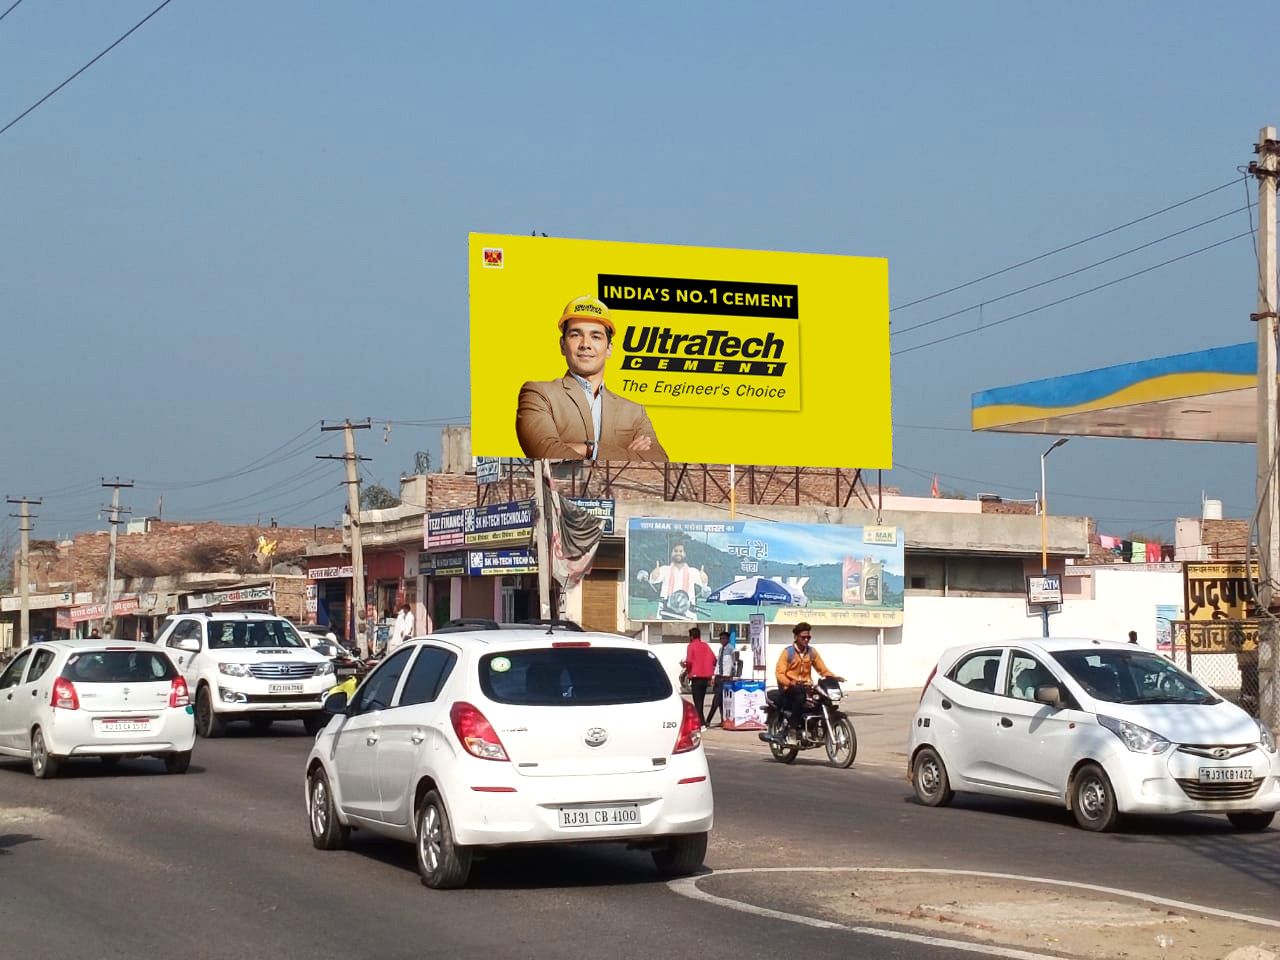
[{"x": 218, "y": 864}]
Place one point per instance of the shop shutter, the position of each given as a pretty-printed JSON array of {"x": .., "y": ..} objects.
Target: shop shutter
[{"x": 600, "y": 601}]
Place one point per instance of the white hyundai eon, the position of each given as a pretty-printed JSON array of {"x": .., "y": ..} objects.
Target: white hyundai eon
[{"x": 1100, "y": 727}]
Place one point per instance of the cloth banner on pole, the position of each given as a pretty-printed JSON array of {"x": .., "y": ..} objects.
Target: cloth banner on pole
[{"x": 575, "y": 536}]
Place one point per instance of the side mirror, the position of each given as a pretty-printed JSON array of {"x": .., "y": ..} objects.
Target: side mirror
[
  {"x": 1049, "y": 693},
  {"x": 336, "y": 703},
  {"x": 189, "y": 644}
]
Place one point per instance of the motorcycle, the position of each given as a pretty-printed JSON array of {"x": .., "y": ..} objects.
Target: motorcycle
[{"x": 822, "y": 724}]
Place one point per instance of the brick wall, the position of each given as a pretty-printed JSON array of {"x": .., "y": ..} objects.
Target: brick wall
[{"x": 170, "y": 549}]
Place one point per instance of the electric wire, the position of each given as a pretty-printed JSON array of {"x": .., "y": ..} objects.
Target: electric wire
[
  {"x": 10, "y": 10},
  {"x": 1066, "y": 299},
  {"x": 277, "y": 456},
  {"x": 1071, "y": 273},
  {"x": 118, "y": 41},
  {"x": 1069, "y": 246}
]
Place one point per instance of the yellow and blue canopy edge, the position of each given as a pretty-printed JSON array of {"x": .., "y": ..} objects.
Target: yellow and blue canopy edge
[{"x": 1205, "y": 395}]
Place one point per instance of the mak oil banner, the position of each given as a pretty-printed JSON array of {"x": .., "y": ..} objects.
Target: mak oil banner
[
  {"x": 834, "y": 574},
  {"x": 622, "y": 351}
]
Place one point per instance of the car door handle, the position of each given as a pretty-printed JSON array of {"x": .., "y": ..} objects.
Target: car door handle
[
  {"x": 1006, "y": 722},
  {"x": 417, "y": 736},
  {"x": 371, "y": 739}
]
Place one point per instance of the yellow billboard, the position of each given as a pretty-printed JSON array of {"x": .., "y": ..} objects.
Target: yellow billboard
[{"x": 595, "y": 350}]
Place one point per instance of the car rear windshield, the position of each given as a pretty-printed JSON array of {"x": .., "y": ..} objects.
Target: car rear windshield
[
  {"x": 1132, "y": 676},
  {"x": 227, "y": 634},
  {"x": 573, "y": 676},
  {"x": 118, "y": 666}
]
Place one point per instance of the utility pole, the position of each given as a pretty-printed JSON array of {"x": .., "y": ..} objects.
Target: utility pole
[
  {"x": 24, "y": 565},
  {"x": 353, "y": 511},
  {"x": 543, "y": 541},
  {"x": 115, "y": 486},
  {"x": 1268, "y": 484}
]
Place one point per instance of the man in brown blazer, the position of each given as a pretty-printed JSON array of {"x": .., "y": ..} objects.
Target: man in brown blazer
[{"x": 577, "y": 417}]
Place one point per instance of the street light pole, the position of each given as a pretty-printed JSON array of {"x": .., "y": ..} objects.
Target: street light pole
[{"x": 1044, "y": 527}]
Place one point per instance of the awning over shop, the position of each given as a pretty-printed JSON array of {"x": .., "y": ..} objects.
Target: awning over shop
[{"x": 1205, "y": 395}]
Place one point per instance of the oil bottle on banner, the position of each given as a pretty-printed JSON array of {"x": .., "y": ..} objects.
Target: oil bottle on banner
[{"x": 863, "y": 582}]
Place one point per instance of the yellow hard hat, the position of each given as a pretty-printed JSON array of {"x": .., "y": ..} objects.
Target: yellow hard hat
[{"x": 587, "y": 308}]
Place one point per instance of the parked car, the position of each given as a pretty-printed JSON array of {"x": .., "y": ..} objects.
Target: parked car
[
  {"x": 107, "y": 698},
  {"x": 247, "y": 666},
  {"x": 1100, "y": 727},
  {"x": 315, "y": 633},
  {"x": 467, "y": 741}
]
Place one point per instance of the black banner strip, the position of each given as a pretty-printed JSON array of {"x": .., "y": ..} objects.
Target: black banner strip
[{"x": 727, "y": 298}]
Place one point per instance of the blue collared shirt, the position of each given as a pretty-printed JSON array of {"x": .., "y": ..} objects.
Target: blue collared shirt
[{"x": 593, "y": 399}]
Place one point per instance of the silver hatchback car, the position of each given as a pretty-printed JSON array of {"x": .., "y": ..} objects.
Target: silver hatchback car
[{"x": 1099, "y": 727}]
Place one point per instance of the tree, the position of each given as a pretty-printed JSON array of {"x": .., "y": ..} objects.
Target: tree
[{"x": 377, "y": 497}]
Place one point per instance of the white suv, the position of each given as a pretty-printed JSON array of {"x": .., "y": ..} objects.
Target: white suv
[
  {"x": 247, "y": 666},
  {"x": 496, "y": 737}
]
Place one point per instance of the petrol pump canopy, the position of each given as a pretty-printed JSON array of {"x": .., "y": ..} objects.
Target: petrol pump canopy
[{"x": 1205, "y": 395}]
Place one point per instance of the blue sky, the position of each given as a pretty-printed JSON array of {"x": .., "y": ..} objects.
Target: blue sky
[{"x": 251, "y": 216}]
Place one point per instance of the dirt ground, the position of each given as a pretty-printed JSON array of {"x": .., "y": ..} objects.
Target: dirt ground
[{"x": 1033, "y": 917}]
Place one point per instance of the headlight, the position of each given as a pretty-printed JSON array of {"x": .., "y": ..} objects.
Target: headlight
[
  {"x": 1265, "y": 738},
  {"x": 1136, "y": 738},
  {"x": 235, "y": 669},
  {"x": 324, "y": 669}
]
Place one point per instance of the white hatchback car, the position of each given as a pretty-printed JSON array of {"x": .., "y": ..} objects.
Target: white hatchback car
[
  {"x": 94, "y": 698},
  {"x": 1100, "y": 727},
  {"x": 491, "y": 738}
]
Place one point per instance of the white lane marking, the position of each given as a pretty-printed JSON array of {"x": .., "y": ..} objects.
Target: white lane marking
[{"x": 688, "y": 887}]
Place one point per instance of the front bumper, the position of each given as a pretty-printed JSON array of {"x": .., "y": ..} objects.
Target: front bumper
[
  {"x": 238, "y": 695},
  {"x": 1170, "y": 783}
]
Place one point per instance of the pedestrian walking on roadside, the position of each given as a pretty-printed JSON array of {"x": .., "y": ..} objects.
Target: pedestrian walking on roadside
[
  {"x": 724, "y": 672},
  {"x": 701, "y": 664},
  {"x": 402, "y": 629}
]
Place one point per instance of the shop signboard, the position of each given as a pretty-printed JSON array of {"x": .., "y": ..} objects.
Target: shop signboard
[
  {"x": 483, "y": 563},
  {"x": 836, "y": 574},
  {"x": 603, "y": 509},
  {"x": 334, "y": 573},
  {"x": 1044, "y": 590},
  {"x": 488, "y": 470},
  {"x": 218, "y": 598},
  {"x": 1221, "y": 605},
  {"x": 44, "y": 601},
  {"x": 449, "y": 563},
  {"x": 480, "y": 526},
  {"x": 721, "y": 356},
  {"x": 98, "y": 611}
]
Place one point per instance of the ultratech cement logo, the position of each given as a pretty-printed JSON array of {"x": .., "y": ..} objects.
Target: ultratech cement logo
[
  {"x": 749, "y": 359},
  {"x": 657, "y": 348}
]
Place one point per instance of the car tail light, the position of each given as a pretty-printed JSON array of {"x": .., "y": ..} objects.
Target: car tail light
[
  {"x": 570, "y": 643},
  {"x": 932, "y": 674},
  {"x": 64, "y": 695},
  {"x": 475, "y": 733},
  {"x": 179, "y": 696},
  {"x": 690, "y": 730}
]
